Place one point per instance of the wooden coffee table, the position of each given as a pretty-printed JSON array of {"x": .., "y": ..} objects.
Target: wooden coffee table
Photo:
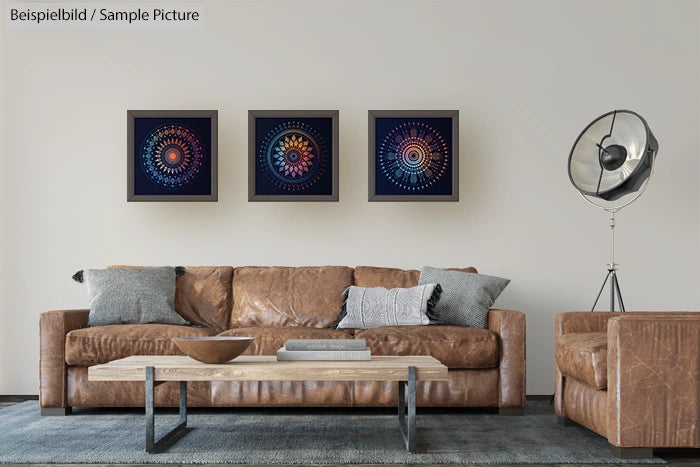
[{"x": 154, "y": 370}]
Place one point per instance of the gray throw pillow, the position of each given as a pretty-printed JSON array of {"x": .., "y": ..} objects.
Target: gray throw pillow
[
  {"x": 466, "y": 297},
  {"x": 130, "y": 296},
  {"x": 365, "y": 308}
]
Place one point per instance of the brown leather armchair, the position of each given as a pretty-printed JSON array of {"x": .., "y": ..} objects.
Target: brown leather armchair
[{"x": 633, "y": 378}]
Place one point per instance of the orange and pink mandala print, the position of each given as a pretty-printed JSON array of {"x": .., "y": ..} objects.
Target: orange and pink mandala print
[{"x": 293, "y": 155}]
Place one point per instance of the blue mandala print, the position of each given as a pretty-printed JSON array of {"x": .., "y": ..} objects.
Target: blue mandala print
[
  {"x": 293, "y": 156},
  {"x": 172, "y": 156},
  {"x": 413, "y": 156}
]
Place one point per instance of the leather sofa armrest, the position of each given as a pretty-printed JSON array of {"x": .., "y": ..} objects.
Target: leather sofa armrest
[
  {"x": 654, "y": 380},
  {"x": 510, "y": 327},
  {"x": 53, "y": 327}
]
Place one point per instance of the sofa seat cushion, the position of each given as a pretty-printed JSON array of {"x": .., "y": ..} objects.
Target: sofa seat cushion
[
  {"x": 455, "y": 346},
  {"x": 269, "y": 340},
  {"x": 101, "y": 344},
  {"x": 284, "y": 296},
  {"x": 584, "y": 357}
]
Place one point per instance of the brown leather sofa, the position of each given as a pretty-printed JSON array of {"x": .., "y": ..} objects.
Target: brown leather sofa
[
  {"x": 633, "y": 378},
  {"x": 273, "y": 304}
]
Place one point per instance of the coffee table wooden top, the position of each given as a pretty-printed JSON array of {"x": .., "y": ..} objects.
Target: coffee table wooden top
[{"x": 267, "y": 368}]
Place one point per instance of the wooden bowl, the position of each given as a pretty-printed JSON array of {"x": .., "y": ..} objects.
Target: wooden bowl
[{"x": 213, "y": 349}]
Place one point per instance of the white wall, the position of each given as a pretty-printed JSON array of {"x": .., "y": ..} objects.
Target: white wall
[{"x": 526, "y": 76}]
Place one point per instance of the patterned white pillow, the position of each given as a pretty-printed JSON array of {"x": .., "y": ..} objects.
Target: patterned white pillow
[{"x": 365, "y": 308}]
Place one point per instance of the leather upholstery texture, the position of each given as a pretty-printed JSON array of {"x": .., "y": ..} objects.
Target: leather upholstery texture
[
  {"x": 465, "y": 388},
  {"x": 274, "y": 304},
  {"x": 389, "y": 278},
  {"x": 586, "y": 406},
  {"x": 283, "y": 296},
  {"x": 509, "y": 325},
  {"x": 455, "y": 346},
  {"x": 582, "y": 321},
  {"x": 584, "y": 357},
  {"x": 587, "y": 321},
  {"x": 53, "y": 327},
  {"x": 101, "y": 344},
  {"x": 203, "y": 296},
  {"x": 656, "y": 389},
  {"x": 282, "y": 393},
  {"x": 652, "y": 398}
]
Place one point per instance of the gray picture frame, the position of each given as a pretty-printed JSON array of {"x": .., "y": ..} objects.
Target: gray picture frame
[
  {"x": 253, "y": 115},
  {"x": 132, "y": 115},
  {"x": 409, "y": 114}
]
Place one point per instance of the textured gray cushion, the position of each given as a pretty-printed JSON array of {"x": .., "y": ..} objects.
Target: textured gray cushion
[
  {"x": 365, "y": 308},
  {"x": 466, "y": 297},
  {"x": 131, "y": 296}
]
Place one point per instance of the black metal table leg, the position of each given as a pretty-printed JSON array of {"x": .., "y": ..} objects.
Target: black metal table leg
[
  {"x": 153, "y": 445},
  {"x": 408, "y": 426}
]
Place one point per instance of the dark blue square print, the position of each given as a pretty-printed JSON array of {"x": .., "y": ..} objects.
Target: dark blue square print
[
  {"x": 172, "y": 156},
  {"x": 413, "y": 156},
  {"x": 293, "y": 156}
]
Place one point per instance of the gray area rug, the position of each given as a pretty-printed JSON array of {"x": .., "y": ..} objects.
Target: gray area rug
[{"x": 295, "y": 436}]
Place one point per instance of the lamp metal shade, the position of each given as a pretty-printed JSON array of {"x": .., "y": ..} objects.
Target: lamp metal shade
[{"x": 613, "y": 155}]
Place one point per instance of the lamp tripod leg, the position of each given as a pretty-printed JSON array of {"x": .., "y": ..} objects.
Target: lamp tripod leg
[
  {"x": 619, "y": 294},
  {"x": 601, "y": 291},
  {"x": 614, "y": 291},
  {"x": 611, "y": 274}
]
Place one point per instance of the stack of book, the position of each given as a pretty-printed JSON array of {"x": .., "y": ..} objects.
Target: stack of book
[{"x": 324, "y": 349}]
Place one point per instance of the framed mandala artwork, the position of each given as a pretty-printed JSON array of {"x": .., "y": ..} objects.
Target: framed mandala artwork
[
  {"x": 293, "y": 155},
  {"x": 413, "y": 155},
  {"x": 172, "y": 155}
]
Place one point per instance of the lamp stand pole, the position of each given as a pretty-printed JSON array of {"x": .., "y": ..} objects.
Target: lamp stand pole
[{"x": 612, "y": 272}]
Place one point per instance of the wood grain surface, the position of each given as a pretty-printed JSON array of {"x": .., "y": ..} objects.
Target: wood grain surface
[{"x": 267, "y": 368}]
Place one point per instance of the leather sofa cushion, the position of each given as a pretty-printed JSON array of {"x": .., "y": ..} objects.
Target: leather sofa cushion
[
  {"x": 284, "y": 296},
  {"x": 203, "y": 295},
  {"x": 455, "y": 346},
  {"x": 101, "y": 344},
  {"x": 390, "y": 278},
  {"x": 269, "y": 340},
  {"x": 583, "y": 356}
]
